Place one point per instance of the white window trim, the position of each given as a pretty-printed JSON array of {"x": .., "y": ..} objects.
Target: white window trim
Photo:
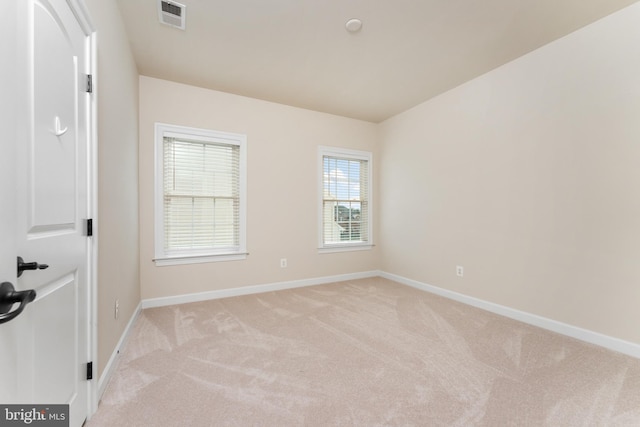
[
  {"x": 194, "y": 257},
  {"x": 346, "y": 246}
]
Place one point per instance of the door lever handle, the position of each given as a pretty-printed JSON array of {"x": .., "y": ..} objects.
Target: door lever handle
[
  {"x": 22, "y": 266},
  {"x": 9, "y": 296}
]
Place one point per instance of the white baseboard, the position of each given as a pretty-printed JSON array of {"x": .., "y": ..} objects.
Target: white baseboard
[
  {"x": 615, "y": 344},
  {"x": 111, "y": 364},
  {"x": 255, "y": 289}
]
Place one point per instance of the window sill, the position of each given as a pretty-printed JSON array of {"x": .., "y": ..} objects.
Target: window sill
[
  {"x": 198, "y": 259},
  {"x": 344, "y": 248}
]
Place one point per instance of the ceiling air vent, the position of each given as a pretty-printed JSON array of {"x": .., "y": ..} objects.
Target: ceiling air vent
[{"x": 172, "y": 13}]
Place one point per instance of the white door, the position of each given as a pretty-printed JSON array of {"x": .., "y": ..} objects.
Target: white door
[{"x": 45, "y": 206}]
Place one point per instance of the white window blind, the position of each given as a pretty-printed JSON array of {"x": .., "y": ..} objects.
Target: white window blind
[
  {"x": 345, "y": 198},
  {"x": 200, "y": 196}
]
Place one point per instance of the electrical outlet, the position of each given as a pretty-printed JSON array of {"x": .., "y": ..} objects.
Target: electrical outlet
[
  {"x": 459, "y": 271},
  {"x": 116, "y": 309},
  {"x": 283, "y": 263}
]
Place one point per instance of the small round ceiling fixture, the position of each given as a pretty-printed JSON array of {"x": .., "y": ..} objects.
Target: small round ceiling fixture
[{"x": 353, "y": 25}]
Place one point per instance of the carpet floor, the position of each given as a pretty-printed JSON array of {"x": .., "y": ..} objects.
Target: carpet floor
[{"x": 367, "y": 352}]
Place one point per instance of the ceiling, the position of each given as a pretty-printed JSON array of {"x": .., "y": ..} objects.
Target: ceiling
[{"x": 298, "y": 52}]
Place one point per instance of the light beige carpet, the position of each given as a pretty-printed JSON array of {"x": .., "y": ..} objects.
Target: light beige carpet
[{"x": 362, "y": 353}]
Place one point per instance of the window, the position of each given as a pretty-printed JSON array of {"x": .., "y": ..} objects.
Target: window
[
  {"x": 200, "y": 195},
  {"x": 345, "y": 199}
]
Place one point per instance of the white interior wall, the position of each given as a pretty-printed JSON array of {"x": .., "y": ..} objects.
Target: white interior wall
[
  {"x": 528, "y": 177},
  {"x": 282, "y": 186}
]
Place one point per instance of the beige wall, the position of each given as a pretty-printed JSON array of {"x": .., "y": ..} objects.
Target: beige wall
[
  {"x": 117, "y": 225},
  {"x": 282, "y": 187},
  {"x": 529, "y": 177}
]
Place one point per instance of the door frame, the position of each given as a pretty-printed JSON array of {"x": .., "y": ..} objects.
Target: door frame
[{"x": 81, "y": 12}]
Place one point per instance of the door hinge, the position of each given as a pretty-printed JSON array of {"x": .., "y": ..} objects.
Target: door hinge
[
  {"x": 89, "y": 83},
  {"x": 89, "y": 371},
  {"x": 90, "y": 227}
]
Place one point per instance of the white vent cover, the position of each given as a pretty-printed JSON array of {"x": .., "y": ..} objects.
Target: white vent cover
[{"x": 172, "y": 13}]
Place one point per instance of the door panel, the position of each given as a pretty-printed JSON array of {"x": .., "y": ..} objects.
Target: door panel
[
  {"x": 54, "y": 370},
  {"x": 54, "y": 157},
  {"x": 55, "y": 205},
  {"x": 49, "y": 350}
]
